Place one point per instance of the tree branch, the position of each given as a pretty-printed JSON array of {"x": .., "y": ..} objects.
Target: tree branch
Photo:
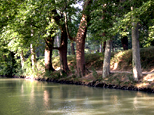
[
  {"x": 46, "y": 42},
  {"x": 56, "y": 17},
  {"x": 67, "y": 31}
]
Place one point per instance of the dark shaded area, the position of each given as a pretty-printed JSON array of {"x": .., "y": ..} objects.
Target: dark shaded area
[{"x": 124, "y": 42}]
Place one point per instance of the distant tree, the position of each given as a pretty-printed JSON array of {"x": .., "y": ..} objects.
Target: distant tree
[
  {"x": 107, "y": 57},
  {"x": 48, "y": 53}
]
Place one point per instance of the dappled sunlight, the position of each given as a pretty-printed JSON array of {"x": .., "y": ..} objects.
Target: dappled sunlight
[
  {"x": 135, "y": 73},
  {"x": 141, "y": 85},
  {"x": 120, "y": 60},
  {"x": 58, "y": 68},
  {"x": 47, "y": 57},
  {"x": 114, "y": 66},
  {"x": 149, "y": 77}
]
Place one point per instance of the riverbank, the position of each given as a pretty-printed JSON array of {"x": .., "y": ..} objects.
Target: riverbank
[
  {"x": 121, "y": 71},
  {"x": 116, "y": 80}
]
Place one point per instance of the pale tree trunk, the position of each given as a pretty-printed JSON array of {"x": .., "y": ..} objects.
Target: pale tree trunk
[
  {"x": 80, "y": 42},
  {"x": 33, "y": 57},
  {"x": 57, "y": 43},
  {"x": 107, "y": 57},
  {"x": 100, "y": 50},
  {"x": 136, "y": 63},
  {"x": 22, "y": 59}
]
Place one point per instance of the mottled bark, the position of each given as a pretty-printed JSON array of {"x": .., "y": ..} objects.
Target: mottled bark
[
  {"x": 80, "y": 41},
  {"x": 107, "y": 57},
  {"x": 80, "y": 44}
]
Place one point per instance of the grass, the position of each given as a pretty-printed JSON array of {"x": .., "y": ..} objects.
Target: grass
[{"x": 124, "y": 59}]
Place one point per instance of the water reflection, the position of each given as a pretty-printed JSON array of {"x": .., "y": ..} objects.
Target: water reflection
[{"x": 26, "y": 97}]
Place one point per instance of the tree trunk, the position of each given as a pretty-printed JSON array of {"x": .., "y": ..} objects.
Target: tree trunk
[
  {"x": 57, "y": 44},
  {"x": 63, "y": 51},
  {"x": 48, "y": 54},
  {"x": 107, "y": 57},
  {"x": 124, "y": 41},
  {"x": 63, "y": 42},
  {"x": 100, "y": 50},
  {"x": 104, "y": 46},
  {"x": 72, "y": 48},
  {"x": 33, "y": 57},
  {"x": 80, "y": 44},
  {"x": 137, "y": 72},
  {"x": 22, "y": 59},
  {"x": 80, "y": 41}
]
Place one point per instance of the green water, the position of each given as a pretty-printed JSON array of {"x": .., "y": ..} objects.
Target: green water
[{"x": 25, "y": 97}]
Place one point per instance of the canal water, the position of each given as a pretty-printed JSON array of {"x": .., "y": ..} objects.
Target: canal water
[{"x": 26, "y": 97}]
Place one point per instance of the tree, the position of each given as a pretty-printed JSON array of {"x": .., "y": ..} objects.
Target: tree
[
  {"x": 63, "y": 43},
  {"x": 80, "y": 39},
  {"x": 48, "y": 53},
  {"x": 33, "y": 57},
  {"x": 107, "y": 57},
  {"x": 136, "y": 63},
  {"x": 134, "y": 15}
]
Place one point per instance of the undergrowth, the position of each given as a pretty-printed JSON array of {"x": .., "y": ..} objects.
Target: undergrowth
[{"x": 93, "y": 62}]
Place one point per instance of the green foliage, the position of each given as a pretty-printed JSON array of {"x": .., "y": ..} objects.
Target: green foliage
[
  {"x": 95, "y": 75},
  {"x": 95, "y": 60},
  {"x": 131, "y": 78},
  {"x": 8, "y": 64},
  {"x": 23, "y": 22},
  {"x": 147, "y": 57},
  {"x": 48, "y": 74}
]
